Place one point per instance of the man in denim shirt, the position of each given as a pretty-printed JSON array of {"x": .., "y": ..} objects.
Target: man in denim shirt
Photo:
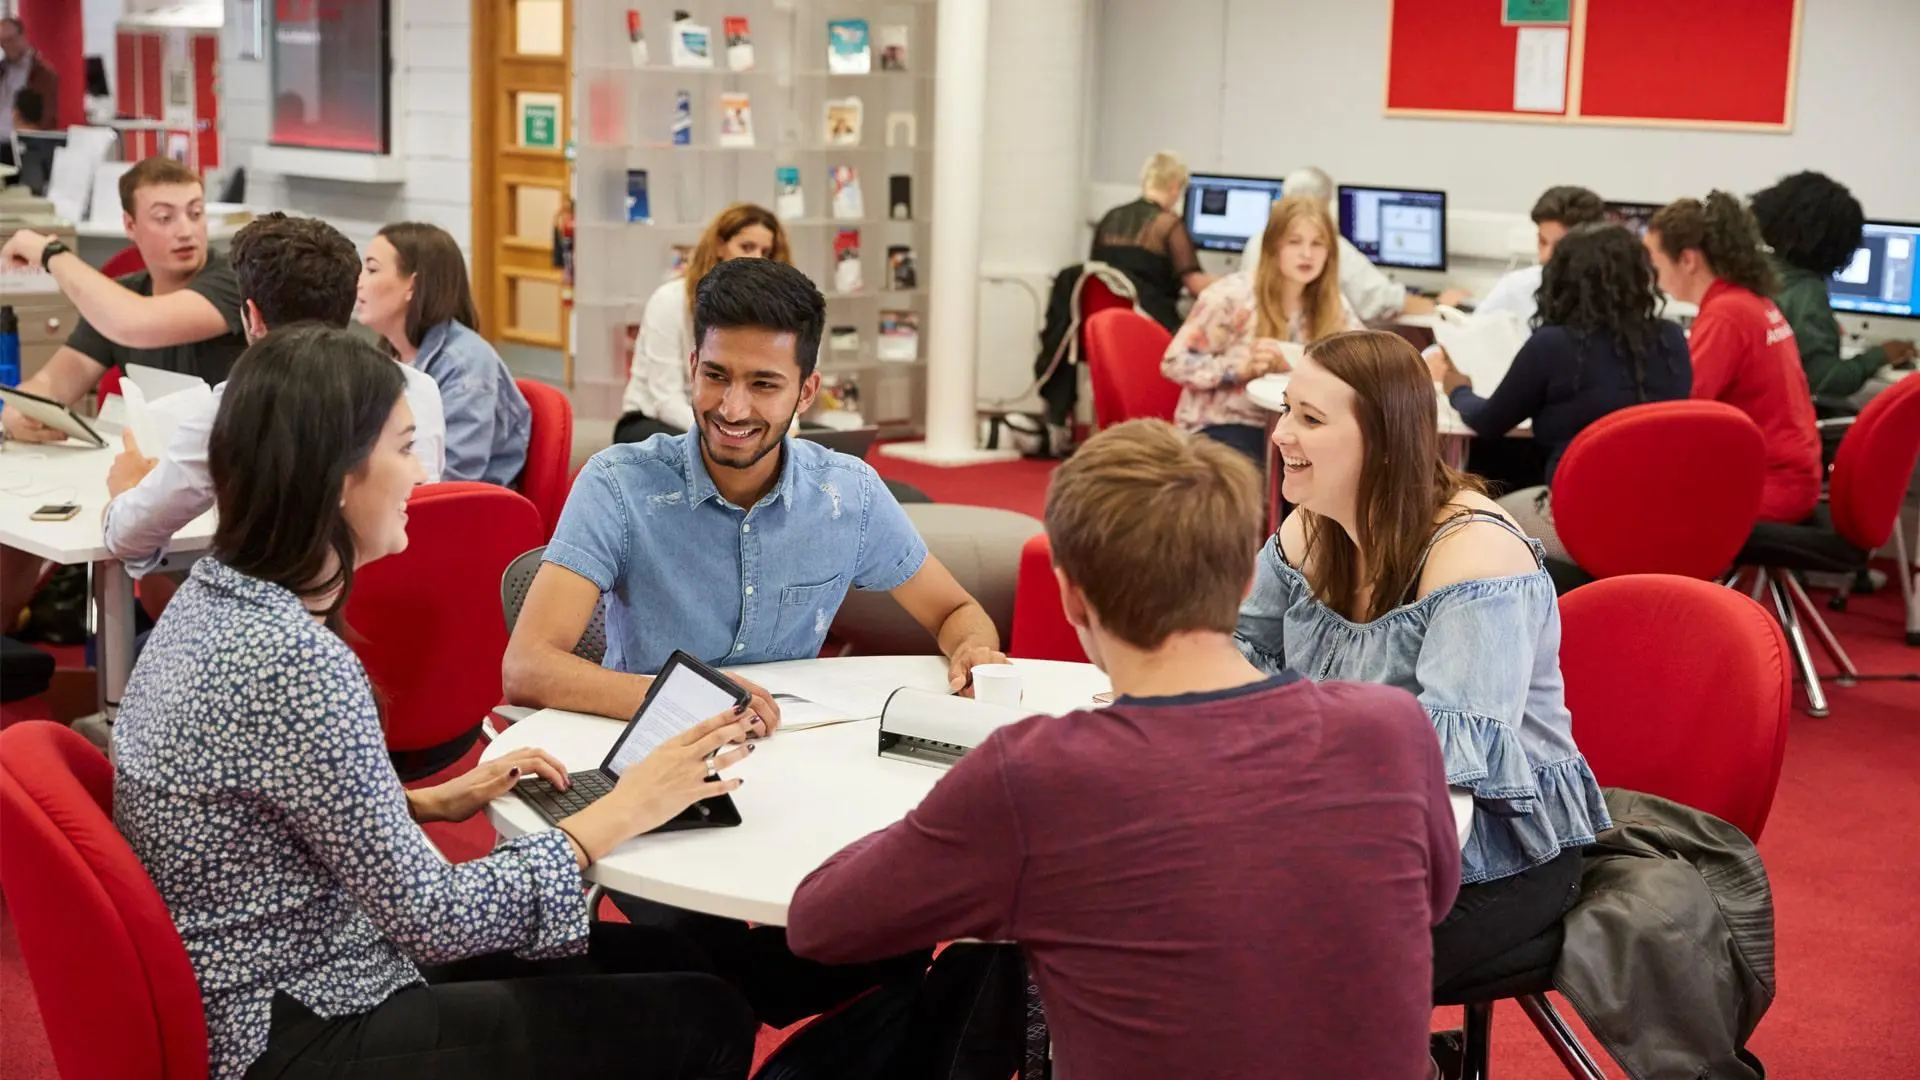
[{"x": 733, "y": 541}]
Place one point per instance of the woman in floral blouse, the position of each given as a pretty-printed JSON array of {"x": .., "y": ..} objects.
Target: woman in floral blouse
[
  {"x": 253, "y": 782},
  {"x": 1238, "y": 326}
]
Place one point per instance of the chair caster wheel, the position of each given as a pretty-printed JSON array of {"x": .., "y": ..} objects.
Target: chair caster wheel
[
  {"x": 1836, "y": 602},
  {"x": 1913, "y": 638}
]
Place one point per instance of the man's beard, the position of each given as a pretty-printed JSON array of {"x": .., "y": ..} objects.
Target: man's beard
[{"x": 730, "y": 457}]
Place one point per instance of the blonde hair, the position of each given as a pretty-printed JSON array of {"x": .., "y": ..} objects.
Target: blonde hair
[
  {"x": 724, "y": 227},
  {"x": 1165, "y": 172},
  {"x": 1321, "y": 311}
]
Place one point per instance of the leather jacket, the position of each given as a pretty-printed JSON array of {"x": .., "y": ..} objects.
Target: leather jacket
[{"x": 1669, "y": 950}]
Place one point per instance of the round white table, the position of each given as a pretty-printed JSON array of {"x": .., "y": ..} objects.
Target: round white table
[{"x": 806, "y": 794}]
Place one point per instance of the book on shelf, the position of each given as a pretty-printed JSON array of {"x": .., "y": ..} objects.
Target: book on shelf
[
  {"x": 606, "y": 111},
  {"x": 902, "y": 130},
  {"x": 847, "y": 203},
  {"x": 840, "y": 395},
  {"x": 843, "y": 121},
  {"x": 903, "y": 274},
  {"x": 636, "y": 40},
  {"x": 900, "y": 197},
  {"x": 844, "y": 339},
  {"x": 681, "y": 132},
  {"x": 692, "y": 42},
  {"x": 846, "y": 261},
  {"x": 789, "y": 200},
  {"x": 893, "y": 48},
  {"x": 638, "y": 208},
  {"x": 848, "y": 51},
  {"x": 677, "y": 262},
  {"x": 739, "y": 43},
  {"x": 899, "y": 335},
  {"x": 736, "y": 119}
]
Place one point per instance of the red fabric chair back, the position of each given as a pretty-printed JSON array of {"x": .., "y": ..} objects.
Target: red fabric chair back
[
  {"x": 1874, "y": 464},
  {"x": 108, "y": 386},
  {"x": 1123, "y": 361},
  {"x": 427, "y": 622},
  {"x": 1040, "y": 627},
  {"x": 545, "y": 480},
  {"x": 115, "y": 988},
  {"x": 125, "y": 261},
  {"x": 1679, "y": 688},
  {"x": 1667, "y": 488}
]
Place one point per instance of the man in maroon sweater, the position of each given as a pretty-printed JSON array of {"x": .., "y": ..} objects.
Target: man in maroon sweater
[{"x": 1221, "y": 874}]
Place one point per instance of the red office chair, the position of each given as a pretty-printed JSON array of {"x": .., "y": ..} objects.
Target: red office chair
[
  {"x": 1667, "y": 488},
  {"x": 544, "y": 480},
  {"x": 427, "y": 623},
  {"x": 123, "y": 262},
  {"x": 108, "y": 386},
  {"x": 1870, "y": 475},
  {"x": 1040, "y": 627},
  {"x": 1123, "y": 360},
  {"x": 1678, "y": 688},
  {"x": 115, "y": 988}
]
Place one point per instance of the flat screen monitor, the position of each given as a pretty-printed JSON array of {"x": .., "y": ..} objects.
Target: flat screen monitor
[
  {"x": 1224, "y": 212},
  {"x": 1633, "y": 216},
  {"x": 1403, "y": 228},
  {"x": 36, "y": 158},
  {"x": 1883, "y": 277}
]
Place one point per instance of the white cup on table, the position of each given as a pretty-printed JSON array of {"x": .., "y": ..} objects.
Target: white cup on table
[{"x": 996, "y": 684}]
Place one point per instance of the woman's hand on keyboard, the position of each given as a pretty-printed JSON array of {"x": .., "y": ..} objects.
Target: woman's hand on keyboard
[
  {"x": 659, "y": 786},
  {"x": 462, "y": 797}
]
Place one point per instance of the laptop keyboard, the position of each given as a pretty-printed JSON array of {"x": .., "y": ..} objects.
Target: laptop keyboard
[{"x": 582, "y": 788}]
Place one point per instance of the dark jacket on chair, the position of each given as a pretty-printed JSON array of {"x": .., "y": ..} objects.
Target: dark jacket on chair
[{"x": 1669, "y": 951}]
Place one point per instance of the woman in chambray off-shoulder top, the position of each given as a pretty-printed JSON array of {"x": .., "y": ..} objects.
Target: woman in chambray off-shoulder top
[
  {"x": 1455, "y": 606},
  {"x": 252, "y": 781}
]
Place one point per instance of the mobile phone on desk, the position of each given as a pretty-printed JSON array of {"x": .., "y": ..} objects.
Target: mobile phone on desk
[{"x": 57, "y": 512}]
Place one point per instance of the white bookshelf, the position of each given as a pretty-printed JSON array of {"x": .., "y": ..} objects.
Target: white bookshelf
[{"x": 626, "y": 116}]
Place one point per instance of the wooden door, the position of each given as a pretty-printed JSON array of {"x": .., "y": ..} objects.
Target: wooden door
[{"x": 522, "y": 121}]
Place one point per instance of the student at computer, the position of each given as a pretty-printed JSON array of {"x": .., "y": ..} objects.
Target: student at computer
[
  {"x": 23, "y": 68},
  {"x": 1147, "y": 240},
  {"x": 276, "y": 831},
  {"x": 1812, "y": 223},
  {"x": 1234, "y": 332},
  {"x": 1118, "y": 846},
  {"x": 1373, "y": 295},
  {"x": 1558, "y": 211},
  {"x": 657, "y": 400},
  {"x": 1395, "y": 568},
  {"x": 1601, "y": 346},
  {"x": 1744, "y": 353},
  {"x": 291, "y": 270},
  {"x": 413, "y": 292}
]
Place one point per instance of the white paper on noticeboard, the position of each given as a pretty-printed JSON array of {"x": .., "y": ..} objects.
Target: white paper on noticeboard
[{"x": 1540, "y": 69}]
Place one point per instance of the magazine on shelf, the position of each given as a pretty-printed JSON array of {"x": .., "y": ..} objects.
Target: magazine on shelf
[
  {"x": 739, "y": 43},
  {"x": 844, "y": 339},
  {"x": 848, "y": 51},
  {"x": 846, "y": 261},
  {"x": 789, "y": 201},
  {"x": 839, "y": 394},
  {"x": 637, "y": 205},
  {"x": 902, "y": 130},
  {"x": 893, "y": 48},
  {"x": 843, "y": 121},
  {"x": 899, "y": 335},
  {"x": 847, "y": 202},
  {"x": 606, "y": 111},
  {"x": 736, "y": 119},
  {"x": 636, "y": 41},
  {"x": 692, "y": 43},
  {"x": 682, "y": 130},
  {"x": 900, "y": 197},
  {"x": 902, "y": 274}
]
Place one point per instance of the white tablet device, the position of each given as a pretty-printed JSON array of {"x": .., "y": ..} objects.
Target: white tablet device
[{"x": 51, "y": 413}]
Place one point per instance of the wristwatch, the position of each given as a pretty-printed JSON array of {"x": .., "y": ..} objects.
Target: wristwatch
[{"x": 54, "y": 247}]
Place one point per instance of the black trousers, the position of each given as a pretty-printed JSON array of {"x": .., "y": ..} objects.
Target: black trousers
[
  {"x": 635, "y": 1006},
  {"x": 1495, "y": 917},
  {"x": 639, "y": 427}
]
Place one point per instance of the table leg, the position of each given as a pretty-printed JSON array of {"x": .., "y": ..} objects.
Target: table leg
[{"x": 113, "y": 639}]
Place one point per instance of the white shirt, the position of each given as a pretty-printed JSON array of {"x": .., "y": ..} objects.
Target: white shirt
[
  {"x": 1513, "y": 292},
  {"x": 1371, "y": 294},
  {"x": 141, "y": 522},
  {"x": 658, "y": 383}
]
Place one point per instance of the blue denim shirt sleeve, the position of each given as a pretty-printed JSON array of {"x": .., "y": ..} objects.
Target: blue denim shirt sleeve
[
  {"x": 1475, "y": 669},
  {"x": 1261, "y": 634},
  {"x": 469, "y": 398},
  {"x": 593, "y": 535},
  {"x": 891, "y": 550}
]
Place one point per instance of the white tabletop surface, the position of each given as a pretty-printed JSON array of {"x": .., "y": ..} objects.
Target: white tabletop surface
[
  {"x": 27, "y": 283},
  {"x": 31, "y": 476},
  {"x": 807, "y": 793}
]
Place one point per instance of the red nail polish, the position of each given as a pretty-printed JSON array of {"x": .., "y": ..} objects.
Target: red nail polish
[{"x": 515, "y": 771}]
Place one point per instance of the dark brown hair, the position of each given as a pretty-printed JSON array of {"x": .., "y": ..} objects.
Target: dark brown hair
[
  {"x": 1721, "y": 230},
  {"x": 295, "y": 269},
  {"x": 1158, "y": 528},
  {"x": 441, "y": 293},
  {"x": 1568, "y": 204},
  {"x": 154, "y": 172},
  {"x": 725, "y": 226},
  {"x": 1403, "y": 482}
]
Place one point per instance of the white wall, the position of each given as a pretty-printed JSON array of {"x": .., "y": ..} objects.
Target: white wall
[
  {"x": 432, "y": 129},
  {"x": 1264, "y": 86},
  {"x": 98, "y": 17}
]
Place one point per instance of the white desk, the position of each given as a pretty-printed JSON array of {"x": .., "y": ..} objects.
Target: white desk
[
  {"x": 807, "y": 793},
  {"x": 32, "y": 476}
]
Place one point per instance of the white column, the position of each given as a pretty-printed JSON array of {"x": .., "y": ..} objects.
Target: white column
[{"x": 953, "y": 309}]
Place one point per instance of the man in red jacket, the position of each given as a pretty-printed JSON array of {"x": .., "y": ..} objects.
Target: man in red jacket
[{"x": 1221, "y": 874}]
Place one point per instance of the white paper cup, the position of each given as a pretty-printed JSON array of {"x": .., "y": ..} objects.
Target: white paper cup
[{"x": 996, "y": 684}]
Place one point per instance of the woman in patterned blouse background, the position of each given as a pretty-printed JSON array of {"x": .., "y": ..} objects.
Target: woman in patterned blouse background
[{"x": 253, "y": 782}]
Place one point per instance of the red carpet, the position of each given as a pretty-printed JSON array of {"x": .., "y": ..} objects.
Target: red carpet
[{"x": 1840, "y": 849}]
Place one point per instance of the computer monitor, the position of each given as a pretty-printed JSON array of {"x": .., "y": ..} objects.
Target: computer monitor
[
  {"x": 1224, "y": 212},
  {"x": 36, "y": 157},
  {"x": 97, "y": 77},
  {"x": 1404, "y": 228},
  {"x": 1883, "y": 277},
  {"x": 1633, "y": 216}
]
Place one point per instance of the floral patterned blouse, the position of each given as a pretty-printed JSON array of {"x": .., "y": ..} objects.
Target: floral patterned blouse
[
  {"x": 252, "y": 780},
  {"x": 1206, "y": 355}
]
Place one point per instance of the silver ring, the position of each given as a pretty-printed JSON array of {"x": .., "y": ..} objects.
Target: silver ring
[{"x": 711, "y": 771}]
